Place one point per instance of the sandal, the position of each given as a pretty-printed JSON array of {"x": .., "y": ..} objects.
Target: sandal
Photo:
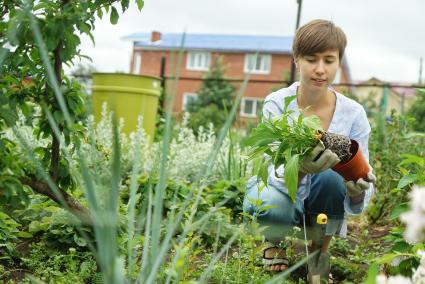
[{"x": 268, "y": 262}]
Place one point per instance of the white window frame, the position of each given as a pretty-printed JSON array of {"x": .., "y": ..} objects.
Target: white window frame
[
  {"x": 186, "y": 97},
  {"x": 254, "y": 106},
  {"x": 198, "y": 60},
  {"x": 137, "y": 63},
  {"x": 265, "y": 63}
]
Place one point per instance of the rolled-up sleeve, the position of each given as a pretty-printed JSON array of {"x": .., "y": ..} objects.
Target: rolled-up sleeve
[{"x": 271, "y": 109}]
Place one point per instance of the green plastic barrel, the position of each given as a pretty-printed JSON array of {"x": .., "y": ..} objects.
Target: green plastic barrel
[{"x": 128, "y": 96}]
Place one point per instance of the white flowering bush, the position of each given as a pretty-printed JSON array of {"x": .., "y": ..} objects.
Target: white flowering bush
[
  {"x": 415, "y": 218},
  {"x": 415, "y": 235},
  {"x": 382, "y": 279},
  {"x": 419, "y": 274},
  {"x": 417, "y": 278},
  {"x": 187, "y": 155},
  {"x": 188, "y": 152},
  {"x": 98, "y": 145}
]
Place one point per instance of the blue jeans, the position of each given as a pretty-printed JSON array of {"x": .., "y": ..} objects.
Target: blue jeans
[{"x": 327, "y": 194}]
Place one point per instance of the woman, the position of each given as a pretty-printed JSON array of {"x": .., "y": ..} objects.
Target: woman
[{"x": 318, "y": 49}]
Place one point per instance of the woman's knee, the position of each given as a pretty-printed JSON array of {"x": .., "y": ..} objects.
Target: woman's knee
[
  {"x": 271, "y": 206},
  {"x": 327, "y": 194},
  {"x": 330, "y": 181}
]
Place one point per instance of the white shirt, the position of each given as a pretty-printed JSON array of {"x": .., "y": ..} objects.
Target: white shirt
[{"x": 349, "y": 119}]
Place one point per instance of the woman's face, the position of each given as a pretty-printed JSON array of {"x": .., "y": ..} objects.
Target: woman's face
[{"x": 318, "y": 70}]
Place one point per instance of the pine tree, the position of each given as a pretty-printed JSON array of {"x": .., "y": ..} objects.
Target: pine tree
[{"x": 214, "y": 100}]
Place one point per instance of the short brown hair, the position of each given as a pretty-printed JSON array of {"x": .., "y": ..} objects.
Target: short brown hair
[{"x": 319, "y": 36}]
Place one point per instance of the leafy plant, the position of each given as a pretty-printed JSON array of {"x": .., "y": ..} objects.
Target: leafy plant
[
  {"x": 286, "y": 139},
  {"x": 37, "y": 39},
  {"x": 417, "y": 110},
  {"x": 386, "y": 158},
  {"x": 403, "y": 257}
]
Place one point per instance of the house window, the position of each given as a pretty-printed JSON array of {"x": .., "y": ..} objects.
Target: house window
[
  {"x": 251, "y": 107},
  {"x": 257, "y": 63},
  {"x": 188, "y": 98},
  {"x": 199, "y": 61},
  {"x": 137, "y": 63}
]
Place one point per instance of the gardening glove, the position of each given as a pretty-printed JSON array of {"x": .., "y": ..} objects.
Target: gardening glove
[
  {"x": 358, "y": 187},
  {"x": 326, "y": 160}
]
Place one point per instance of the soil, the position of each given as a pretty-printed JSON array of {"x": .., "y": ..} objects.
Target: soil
[{"x": 339, "y": 144}]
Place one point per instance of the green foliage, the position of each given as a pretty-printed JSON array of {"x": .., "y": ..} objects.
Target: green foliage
[
  {"x": 417, "y": 110},
  {"x": 228, "y": 195},
  {"x": 9, "y": 230},
  {"x": 403, "y": 257},
  {"x": 387, "y": 161},
  {"x": 207, "y": 116},
  {"x": 68, "y": 266},
  {"x": 214, "y": 99},
  {"x": 287, "y": 140},
  {"x": 37, "y": 35}
]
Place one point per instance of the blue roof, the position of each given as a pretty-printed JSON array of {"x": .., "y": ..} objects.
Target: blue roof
[{"x": 254, "y": 43}]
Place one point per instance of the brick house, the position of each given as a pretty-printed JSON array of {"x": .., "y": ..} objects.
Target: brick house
[
  {"x": 155, "y": 54},
  {"x": 399, "y": 97}
]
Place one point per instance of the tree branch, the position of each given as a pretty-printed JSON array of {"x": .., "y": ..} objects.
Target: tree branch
[{"x": 75, "y": 207}]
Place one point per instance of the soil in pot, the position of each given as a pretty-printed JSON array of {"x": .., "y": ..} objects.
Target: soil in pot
[{"x": 339, "y": 144}]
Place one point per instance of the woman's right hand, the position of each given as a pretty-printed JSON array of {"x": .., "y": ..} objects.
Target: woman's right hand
[{"x": 319, "y": 160}]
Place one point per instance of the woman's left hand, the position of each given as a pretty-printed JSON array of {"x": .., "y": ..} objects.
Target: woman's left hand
[{"x": 357, "y": 188}]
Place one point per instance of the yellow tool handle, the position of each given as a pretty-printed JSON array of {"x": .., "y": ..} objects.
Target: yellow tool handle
[{"x": 322, "y": 219}]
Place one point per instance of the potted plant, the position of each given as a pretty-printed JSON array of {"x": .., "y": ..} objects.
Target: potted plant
[{"x": 287, "y": 140}]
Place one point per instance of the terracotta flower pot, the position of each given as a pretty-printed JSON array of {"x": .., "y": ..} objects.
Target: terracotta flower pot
[{"x": 356, "y": 167}]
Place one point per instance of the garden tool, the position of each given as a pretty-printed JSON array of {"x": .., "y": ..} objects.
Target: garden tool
[{"x": 319, "y": 264}]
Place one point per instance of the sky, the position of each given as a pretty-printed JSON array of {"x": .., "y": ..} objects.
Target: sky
[{"x": 386, "y": 38}]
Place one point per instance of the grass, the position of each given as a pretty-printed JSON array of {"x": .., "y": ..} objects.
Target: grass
[{"x": 102, "y": 198}]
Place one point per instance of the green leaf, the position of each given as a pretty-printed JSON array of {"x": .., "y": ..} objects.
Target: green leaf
[
  {"x": 401, "y": 246},
  {"x": 287, "y": 101},
  {"x": 140, "y": 4},
  {"x": 401, "y": 208},
  {"x": 99, "y": 13},
  {"x": 387, "y": 258},
  {"x": 9, "y": 116},
  {"x": 263, "y": 172},
  {"x": 41, "y": 6},
  {"x": 255, "y": 202},
  {"x": 313, "y": 122},
  {"x": 372, "y": 273},
  {"x": 265, "y": 208},
  {"x": 80, "y": 241},
  {"x": 114, "y": 16},
  {"x": 124, "y": 4},
  {"x": 412, "y": 159},
  {"x": 406, "y": 180},
  {"x": 415, "y": 135},
  {"x": 291, "y": 176},
  {"x": 85, "y": 28},
  {"x": 25, "y": 235}
]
